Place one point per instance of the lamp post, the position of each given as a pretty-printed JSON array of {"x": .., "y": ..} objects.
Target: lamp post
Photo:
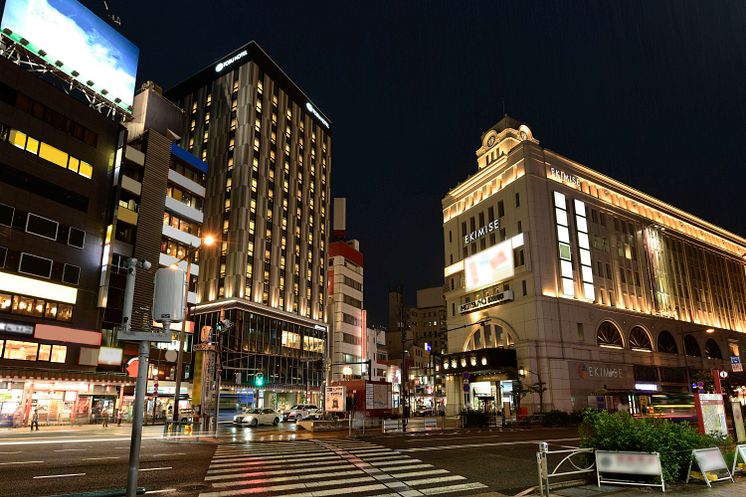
[
  {"x": 522, "y": 372},
  {"x": 206, "y": 241}
]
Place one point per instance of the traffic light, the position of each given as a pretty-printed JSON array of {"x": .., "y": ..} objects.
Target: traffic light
[{"x": 259, "y": 380}]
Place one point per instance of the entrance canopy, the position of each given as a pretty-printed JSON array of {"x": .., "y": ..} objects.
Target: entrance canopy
[{"x": 476, "y": 361}]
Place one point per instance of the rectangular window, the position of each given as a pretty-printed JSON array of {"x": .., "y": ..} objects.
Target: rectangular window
[
  {"x": 20, "y": 351},
  {"x": 35, "y": 265},
  {"x": 3, "y": 256},
  {"x": 59, "y": 354},
  {"x": 500, "y": 209},
  {"x": 6, "y": 215},
  {"x": 76, "y": 238},
  {"x": 523, "y": 285},
  {"x": 517, "y": 199},
  {"x": 71, "y": 274},
  {"x": 41, "y": 226},
  {"x": 45, "y": 352},
  {"x": 53, "y": 155}
]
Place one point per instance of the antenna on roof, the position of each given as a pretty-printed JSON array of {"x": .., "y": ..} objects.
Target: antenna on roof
[{"x": 112, "y": 17}]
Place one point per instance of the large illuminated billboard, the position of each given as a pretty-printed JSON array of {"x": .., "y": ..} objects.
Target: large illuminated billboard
[
  {"x": 72, "y": 38},
  {"x": 489, "y": 267}
]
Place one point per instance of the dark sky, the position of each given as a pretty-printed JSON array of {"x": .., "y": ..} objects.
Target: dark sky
[{"x": 651, "y": 93}]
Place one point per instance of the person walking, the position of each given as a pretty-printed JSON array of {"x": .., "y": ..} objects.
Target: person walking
[
  {"x": 35, "y": 420},
  {"x": 120, "y": 415},
  {"x": 105, "y": 415}
]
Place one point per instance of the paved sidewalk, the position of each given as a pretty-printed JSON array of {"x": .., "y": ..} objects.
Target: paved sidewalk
[{"x": 719, "y": 489}]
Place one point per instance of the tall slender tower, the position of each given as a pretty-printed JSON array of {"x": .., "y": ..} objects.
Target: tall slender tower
[{"x": 269, "y": 150}]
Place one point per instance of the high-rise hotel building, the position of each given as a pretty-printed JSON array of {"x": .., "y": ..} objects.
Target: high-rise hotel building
[
  {"x": 267, "y": 201},
  {"x": 604, "y": 292}
]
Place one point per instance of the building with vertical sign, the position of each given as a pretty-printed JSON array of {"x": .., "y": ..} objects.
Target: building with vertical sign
[
  {"x": 604, "y": 292},
  {"x": 267, "y": 202},
  {"x": 157, "y": 207}
]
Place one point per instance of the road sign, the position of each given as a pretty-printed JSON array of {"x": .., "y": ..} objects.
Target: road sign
[{"x": 735, "y": 363}]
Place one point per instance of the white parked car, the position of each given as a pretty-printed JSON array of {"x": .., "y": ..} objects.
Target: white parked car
[
  {"x": 255, "y": 417},
  {"x": 298, "y": 412}
]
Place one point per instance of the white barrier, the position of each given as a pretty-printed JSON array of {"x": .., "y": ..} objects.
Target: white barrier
[
  {"x": 740, "y": 452},
  {"x": 567, "y": 462},
  {"x": 412, "y": 424},
  {"x": 709, "y": 461},
  {"x": 629, "y": 463},
  {"x": 391, "y": 425}
]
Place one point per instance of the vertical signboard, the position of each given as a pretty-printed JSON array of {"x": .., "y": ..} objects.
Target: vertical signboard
[
  {"x": 711, "y": 414},
  {"x": 334, "y": 400}
]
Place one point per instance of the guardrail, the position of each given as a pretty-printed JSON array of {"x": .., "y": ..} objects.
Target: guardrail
[
  {"x": 572, "y": 461},
  {"x": 411, "y": 424}
]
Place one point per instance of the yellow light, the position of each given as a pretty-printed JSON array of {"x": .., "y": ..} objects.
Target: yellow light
[
  {"x": 173, "y": 266},
  {"x": 710, "y": 330},
  {"x": 208, "y": 240}
]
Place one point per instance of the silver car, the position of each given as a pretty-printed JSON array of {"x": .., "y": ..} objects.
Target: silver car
[
  {"x": 298, "y": 412},
  {"x": 256, "y": 417}
]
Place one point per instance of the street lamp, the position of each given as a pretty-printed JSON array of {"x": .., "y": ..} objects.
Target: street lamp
[
  {"x": 207, "y": 241},
  {"x": 522, "y": 371}
]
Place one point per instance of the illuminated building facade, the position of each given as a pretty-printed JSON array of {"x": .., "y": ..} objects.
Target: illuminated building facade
[
  {"x": 596, "y": 287},
  {"x": 267, "y": 200},
  {"x": 157, "y": 214},
  {"x": 55, "y": 160},
  {"x": 348, "y": 348}
]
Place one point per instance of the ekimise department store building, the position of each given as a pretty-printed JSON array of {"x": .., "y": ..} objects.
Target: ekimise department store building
[{"x": 603, "y": 292}]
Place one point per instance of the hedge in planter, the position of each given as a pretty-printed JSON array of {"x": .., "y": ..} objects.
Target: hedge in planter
[{"x": 620, "y": 431}]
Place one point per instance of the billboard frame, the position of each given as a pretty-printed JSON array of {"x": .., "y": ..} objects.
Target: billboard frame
[{"x": 21, "y": 56}]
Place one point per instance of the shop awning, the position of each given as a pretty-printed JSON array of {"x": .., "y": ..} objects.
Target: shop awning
[{"x": 52, "y": 375}]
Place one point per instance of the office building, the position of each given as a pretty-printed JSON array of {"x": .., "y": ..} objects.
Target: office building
[
  {"x": 603, "y": 293},
  {"x": 376, "y": 353},
  {"x": 267, "y": 200},
  {"x": 157, "y": 216},
  {"x": 55, "y": 159}
]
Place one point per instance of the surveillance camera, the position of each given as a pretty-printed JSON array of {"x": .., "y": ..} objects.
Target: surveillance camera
[{"x": 146, "y": 265}]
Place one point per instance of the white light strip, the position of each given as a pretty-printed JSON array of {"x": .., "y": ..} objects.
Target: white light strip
[
  {"x": 36, "y": 288},
  {"x": 454, "y": 268}
]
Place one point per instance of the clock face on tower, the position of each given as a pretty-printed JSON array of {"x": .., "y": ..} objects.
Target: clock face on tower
[{"x": 491, "y": 141}]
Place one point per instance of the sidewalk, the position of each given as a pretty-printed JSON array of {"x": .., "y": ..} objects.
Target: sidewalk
[{"x": 719, "y": 489}]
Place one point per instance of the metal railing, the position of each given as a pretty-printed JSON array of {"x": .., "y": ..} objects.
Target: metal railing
[{"x": 565, "y": 462}]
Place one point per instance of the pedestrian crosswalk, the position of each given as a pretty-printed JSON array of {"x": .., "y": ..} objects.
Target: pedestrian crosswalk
[{"x": 327, "y": 468}]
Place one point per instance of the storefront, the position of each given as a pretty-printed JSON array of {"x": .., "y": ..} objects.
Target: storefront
[{"x": 59, "y": 397}]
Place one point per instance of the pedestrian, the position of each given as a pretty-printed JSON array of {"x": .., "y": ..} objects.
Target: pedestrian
[
  {"x": 120, "y": 415},
  {"x": 105, "y": 415},
  {"x": 35, "y": 420}
]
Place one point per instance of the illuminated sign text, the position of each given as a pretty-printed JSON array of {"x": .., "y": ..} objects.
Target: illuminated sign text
[
  {"x": 564, "y": 177},
  {"x": 222, "y": 65},
  {"x": 316, "y": 113},
  {"x": 487, "y": 301},
  {"x": 483, "y": 231}
]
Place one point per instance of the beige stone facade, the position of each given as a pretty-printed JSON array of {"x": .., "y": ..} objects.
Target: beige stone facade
[{"x": 597, "y": 286}]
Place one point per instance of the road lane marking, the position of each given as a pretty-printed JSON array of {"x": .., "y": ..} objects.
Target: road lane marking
[
  {"x": 100, "y": 458},
  {"x": 69, "y": 450},
  {"x": 276, "y": 472},
  {"x": 337, "y": 491},
  {"x": 168, "y": 454},
  {"x": 165, "y": 490},
  {"x": 262, "y": 481},
  {"x": 420, "y": 473},
  {"x": 11, "y": 452},
  {"x": 484, "y": 444},
  {"x": 58, "y": 476},
  {"x": 452, "y": 488},
  {"x": 233, "y": 467},
  {"x": 425, "y": 481},
  {"x": 20, "y": 462},
  {"x": 163, "y": 468},
  {"x": 8, "y": 442}
]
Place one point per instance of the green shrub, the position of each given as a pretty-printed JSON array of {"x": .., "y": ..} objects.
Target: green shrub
[
  {"x": 556, "y": 418},
  {"x": 620, "y": 431}
]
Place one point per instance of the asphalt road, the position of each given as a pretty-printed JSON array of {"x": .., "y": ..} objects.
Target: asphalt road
[{"x": 68, "y": 461}]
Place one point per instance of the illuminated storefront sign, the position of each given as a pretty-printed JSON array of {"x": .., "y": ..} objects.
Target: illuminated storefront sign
[
  {"x": 16, "y": 328},
  {"x": 316, "y": 113},
  {"x": 489, "y": 266},
  {"x": 564, "y": 177},
  {"x": 483, "y": 231},
  {"x": 222, "y": 65},
  {"x": 487, "y": 301}
]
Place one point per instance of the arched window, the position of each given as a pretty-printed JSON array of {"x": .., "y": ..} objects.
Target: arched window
[
  {"x": 639, "y": 339},
  {"x": 691, "y": 347},
  {"x": 488, "y": 337},
  {"x": 608, "y": 335},
  {"x": 712, "y": 350},
  {"x": 666, "y": 343}
]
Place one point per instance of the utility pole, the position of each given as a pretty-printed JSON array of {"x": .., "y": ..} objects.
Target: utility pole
[{"x": 404, "y": 394}]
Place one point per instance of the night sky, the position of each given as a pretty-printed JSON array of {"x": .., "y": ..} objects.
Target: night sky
[{"x": 650, "y": 93}]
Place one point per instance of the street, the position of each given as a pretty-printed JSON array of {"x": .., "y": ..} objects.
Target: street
[{"x": 274, "y": 460}]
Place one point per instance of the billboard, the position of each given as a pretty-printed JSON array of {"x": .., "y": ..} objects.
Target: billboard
[
  {"x": 489, "y": 266},
  {"x": 69, "y": 36},
  {"x": 335, "y": 399}
]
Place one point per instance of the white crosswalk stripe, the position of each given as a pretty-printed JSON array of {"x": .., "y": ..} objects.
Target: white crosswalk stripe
[{"x": 327, "y": 468}]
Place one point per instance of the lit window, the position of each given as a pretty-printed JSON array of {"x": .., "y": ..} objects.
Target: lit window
[
  {"x": 59, "y": 353},
  {"x": 21, "y": 351}
]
